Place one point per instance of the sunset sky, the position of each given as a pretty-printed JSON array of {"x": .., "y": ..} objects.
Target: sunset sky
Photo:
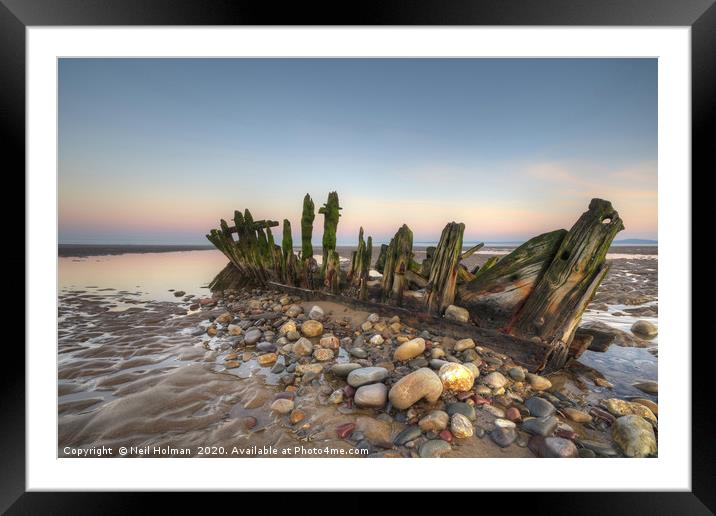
[{"x": 157, "y": 150}]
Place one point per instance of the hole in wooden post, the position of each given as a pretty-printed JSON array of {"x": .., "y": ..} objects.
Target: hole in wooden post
[
  {"x": 564, "y": 255},
  {"x": 514, "y": 277},
  {"x": 607, "y": 220}
]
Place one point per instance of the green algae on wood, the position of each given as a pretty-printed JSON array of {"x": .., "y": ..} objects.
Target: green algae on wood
[
  {"x": 307, "y": 217},
  {"x": 331, "y": 214}
]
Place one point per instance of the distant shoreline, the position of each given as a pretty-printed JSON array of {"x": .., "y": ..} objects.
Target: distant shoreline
[{"x": 85, "y": 250}]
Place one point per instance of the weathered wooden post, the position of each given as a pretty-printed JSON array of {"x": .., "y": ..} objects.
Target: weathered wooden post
[
  {"x": 553, "y": 310},
  {"x": 308, "y": 265},
  {"x": 330, "y": 212},
  {"x": 397, "y": 261},
  {"x": 380, "y": 261},
  {"x": 365, "y": 270},
  {"x": 444, "y": 268}
]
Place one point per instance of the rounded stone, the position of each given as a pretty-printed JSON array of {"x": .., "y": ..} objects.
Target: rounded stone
[
  {"x": 252, "y": 336},
  {"x": 517, "y": 374},
  {"x": 577, "y": 415},
  {"x": 463, "y": 344},
  {"x": 538, "y": 383},
  {"x": 539, "y": 407},
  {"x": 495, "y": 380},
  {"x": 316, "y": 313},
  {"x": 342, "y": 370},
  {"x": 296, "y": 416},
  {"x": 303, "y": 347},
  {"x": 473, "y": 367},
  {"x": 457, "y": 313},
  {"x": 410, "y": 349},
  {"x": 311, "y": 328},
  {"x": 267, "y": 359},
  {"x": 434, "y": 448},
  {"x": 373, "y": 395},
  {"x": 287, "y": 327},
  {"x": 323, "y": 354},
  {"x": 282, "y": 406},
  {"x": 377, "y": 339},
  {"x": 460, "y": 426},
  {"x": 266, "y": 347},
  {"x": 502, "y": 436},
  {"x": 462, "y": 408},
  {"x": 644, "y": 329},
  {"x": 543, "y": 426},
  {"x": 234, "y": 330},
  {"x": 420, "y": 384},
  {"x": 366, "y": 375},
  {"x": 456, "y": 377},
  {"x": 434, "y": 421},
  {"x": 330, "y": 342}
]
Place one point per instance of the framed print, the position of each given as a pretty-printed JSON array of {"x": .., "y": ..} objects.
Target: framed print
[{"x": 262, "y": 242}]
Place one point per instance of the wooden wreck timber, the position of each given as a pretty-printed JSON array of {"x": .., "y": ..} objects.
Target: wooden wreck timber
[{"x": 527, "y": 304}]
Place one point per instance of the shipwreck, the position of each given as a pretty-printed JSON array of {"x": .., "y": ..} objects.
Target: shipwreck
[{"x": 527, "y": 304}]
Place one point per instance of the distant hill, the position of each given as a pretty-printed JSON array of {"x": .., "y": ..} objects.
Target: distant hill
[{"x": 636, "y": 241}]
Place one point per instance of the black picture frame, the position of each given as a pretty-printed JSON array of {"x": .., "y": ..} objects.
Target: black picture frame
[{"x": 17, "y": 15}]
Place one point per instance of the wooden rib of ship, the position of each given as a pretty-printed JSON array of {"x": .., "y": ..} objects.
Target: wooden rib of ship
[{"x": 527, "y": 304}]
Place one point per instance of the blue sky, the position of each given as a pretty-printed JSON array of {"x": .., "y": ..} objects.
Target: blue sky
[{"x": 157, "y": 150}]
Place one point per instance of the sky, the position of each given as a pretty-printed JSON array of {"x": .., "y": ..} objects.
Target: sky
[{"x": 158, "y": 150}]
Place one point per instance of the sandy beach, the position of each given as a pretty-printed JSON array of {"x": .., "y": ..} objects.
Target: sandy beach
[{"x": 164, "y": 372}]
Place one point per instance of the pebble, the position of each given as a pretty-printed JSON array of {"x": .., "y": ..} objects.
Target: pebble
[
  {"x": 423, "y": 383},
  {"x": 373, "y": 318},
  {"x": 410, "y": 349},
  {"x": 434, "y": 448},
  {"x": 586, "y": 453},
  {"x": 252, "y": 336},
  {"x": 495, "y": 380},
  {"x": 538, "y": 383},
  {"x": 336, "y": 397},
  {"x": 543, "y": 426},
  {"x": 249, "y": 422},
  {"x": 553, "y": 447},
  {"x": 316, "y": 313},
  {"x": 359, "y": 352},
  {"x": 287, "y": 327},
  {"x": 408, "y": 434},
  {"x": 495, "y": 411},
  {"x": 232, "y": 364},
  {"x": 296, "y": 416},
  {"x": 635, "y": 436},
  {"x": 649, "y": 387},
  {"x": 618, "y": 407},
  {"x": 577, "y": 416},
  {"x": 234, "y": 330},
  {"x": 434, "y": 421},
  {"x": 462, "y": 408},
  {"x": 457, "y": 313},
  {"x": 648, "y": 404},
  {"x": 513, "y": 414},
  {"x": 446, "y": 435},
  {"x": 266, "y": 347},
  {"x": 373, "y": 395},
  {"x": 279, "y": 366},
  {"x": 517, "y": 374},
  {"x": 376, "y": 431},
  {"x": 342, "y": 370},
  {"x": 377, "y": 339},
  {"x": 366, "y": 326},
  {"x": 311, "y": 328},
  {"x": 294, "y": 310},
  {"x": 342, "y": 431},
  {"x": 505, "y": 423},
  {"x": 463, "y": 344},
  {"x": 366, "y": 375},
  {"x": 540, "y": 407},
  {"x": 644, "y": 329},
  {"x": 330, "y": 342},
  {"x": 503, "y": 437},
  {"x": 323, "y": 354},
  {"x": 266, "y": 359},
  {"x": 456, "y": 377},
  {"x": 303, "y": 347},
  {"x": 460, "y": 426},
  {"x": 282, "y": 406}
]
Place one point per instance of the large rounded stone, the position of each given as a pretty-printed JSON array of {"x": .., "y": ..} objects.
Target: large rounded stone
[
  {"x": 435, "y": 421},
  {"x": 287, "y": 327},
  {"x": 456, "y": 377},
  {"x": 410, "y": 349},
  {"x": 282, "y": 406},
  {"x": 316, "y": 313},
  {"x": 252, "y": 336},
  {"x": 423, "y": 383},
  {"x": 373, "y": 395},
  {"x": 618, "y": 407},
  {"x": 311, "y": 328},
  {"x": 366, "y": 375},
  {"x": 635, "y": 436}
]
